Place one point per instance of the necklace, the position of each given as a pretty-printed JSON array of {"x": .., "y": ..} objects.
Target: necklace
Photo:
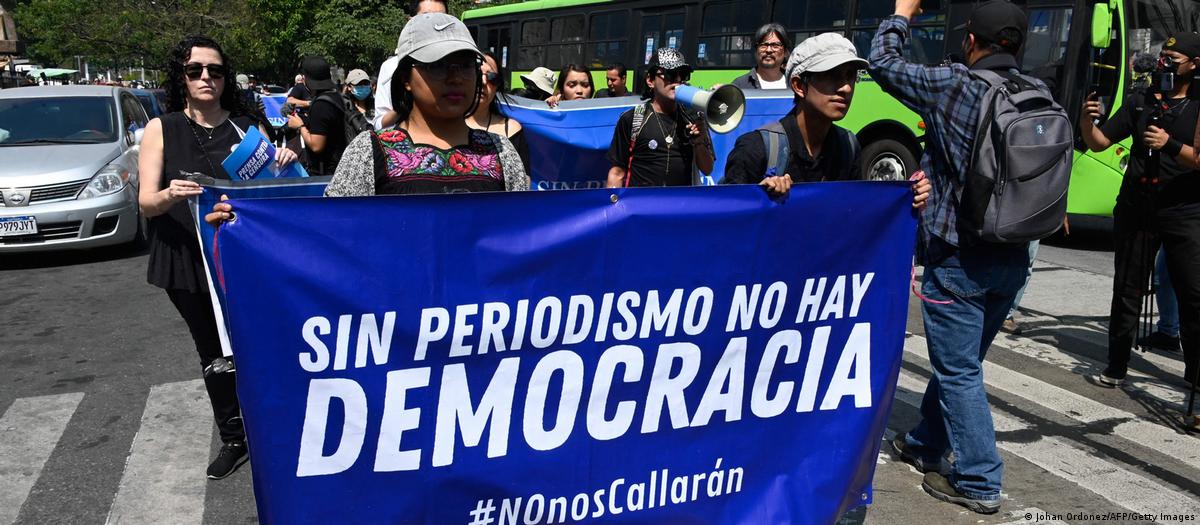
[
  {"x": 207, "y": 131},
  {"x": 669, "y": 139}
]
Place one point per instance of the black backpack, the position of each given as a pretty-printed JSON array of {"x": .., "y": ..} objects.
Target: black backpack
[
  {"x": 1016, "y": 185},
  {"x": 353, "y": 121}
]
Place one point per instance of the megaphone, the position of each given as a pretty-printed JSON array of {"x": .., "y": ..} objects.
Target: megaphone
[{"x": 723, "y": 107}]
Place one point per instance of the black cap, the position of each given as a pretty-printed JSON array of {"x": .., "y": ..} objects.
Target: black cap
[
  {"x": 998, "y": 22},
  {"x": 1187, "y": 43},
  {"x": 316, "y": 73}
]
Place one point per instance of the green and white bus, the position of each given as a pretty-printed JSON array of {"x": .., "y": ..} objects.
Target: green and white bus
[{"x": 1076, "y": 46}]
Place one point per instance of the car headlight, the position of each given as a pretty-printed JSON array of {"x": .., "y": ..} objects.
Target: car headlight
[{"x": 110, "y": 179}]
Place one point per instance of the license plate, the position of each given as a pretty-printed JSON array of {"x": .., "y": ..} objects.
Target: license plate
[{"x": 25, "y": 225}]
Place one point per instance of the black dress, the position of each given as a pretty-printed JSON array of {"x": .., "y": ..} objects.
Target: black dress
[{"x": 175, "y": 262}]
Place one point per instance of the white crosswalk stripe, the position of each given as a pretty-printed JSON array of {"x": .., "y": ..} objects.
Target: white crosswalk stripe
[
  {"x": 29, "y": 431},
  {"x": 1086, "y": 468},
  {"x": 161, "y": 475},
  {"x": 1081, "y": 408}
]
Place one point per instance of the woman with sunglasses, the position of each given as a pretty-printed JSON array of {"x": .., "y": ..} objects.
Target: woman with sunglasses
[
  {"x": 435, "y": 88},
  {"x": 358, "y": 90},
  {"x": 488, "y": 116},
  {"x": 206, "y": 117}
]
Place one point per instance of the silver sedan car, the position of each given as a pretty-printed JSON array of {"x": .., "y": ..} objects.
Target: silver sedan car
[{"x": 69, "y": 167}]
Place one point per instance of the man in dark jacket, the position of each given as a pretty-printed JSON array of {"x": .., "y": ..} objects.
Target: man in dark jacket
[{"x": 771, "y": 49}]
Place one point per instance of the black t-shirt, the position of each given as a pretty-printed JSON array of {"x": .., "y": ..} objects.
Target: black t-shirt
[
  {"x": 326, "y": 119},
  {"x": 747, "y": 162},
  {"x": 299, "y": 91},
  {"x": 607, "y": 93},
  {"x": 655, "y": 161},
  {"x": 1178, "y": 188}
]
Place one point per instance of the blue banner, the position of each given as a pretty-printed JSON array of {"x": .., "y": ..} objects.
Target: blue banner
[
  {"x": 251, "y": 189},
  {"x": 568, "y": 144},
  {"x": 273, "y": 104},
  {"x": 667, "y": 355}
]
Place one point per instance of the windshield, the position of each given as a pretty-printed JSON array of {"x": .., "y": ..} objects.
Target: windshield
[
  {"x": 61, "y": 120},
  {"x": 1152, "y": 22}
]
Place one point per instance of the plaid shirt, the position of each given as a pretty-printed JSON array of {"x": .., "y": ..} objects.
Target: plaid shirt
[{"x": 949, "y": 102}]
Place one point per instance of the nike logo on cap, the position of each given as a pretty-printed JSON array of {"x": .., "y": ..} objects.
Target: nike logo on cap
[{"x": 443, "y": 26}]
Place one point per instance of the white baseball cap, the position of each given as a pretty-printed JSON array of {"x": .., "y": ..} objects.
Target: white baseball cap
[{"x": 821, "y": 53}]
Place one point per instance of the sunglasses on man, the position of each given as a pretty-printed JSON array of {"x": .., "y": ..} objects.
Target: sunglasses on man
[
  {"x": 675, "y": 76},
  {"x": 194, "y": 70}
]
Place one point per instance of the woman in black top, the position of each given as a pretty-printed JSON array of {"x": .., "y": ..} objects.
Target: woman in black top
[
  {"x": 206, "y": 118},
  {"x": 488, "y": 115}
]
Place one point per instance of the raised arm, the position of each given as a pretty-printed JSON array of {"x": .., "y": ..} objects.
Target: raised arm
[{"x": 917, "y": 86}]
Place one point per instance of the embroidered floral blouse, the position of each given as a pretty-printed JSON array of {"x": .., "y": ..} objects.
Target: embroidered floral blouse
[{"x": 488, "y": 162}]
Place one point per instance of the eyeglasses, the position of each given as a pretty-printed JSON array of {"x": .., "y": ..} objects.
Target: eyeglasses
[
  {"x": 675, "y": 76},
  {"x": 194, "y": 70},
  {"x": 491, "y": 77},
  {"x": 773, "y": 46},
  {"x": 441, "y": 70}
]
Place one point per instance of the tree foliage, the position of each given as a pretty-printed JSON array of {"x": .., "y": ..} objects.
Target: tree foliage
[{"x": 264, "y": 37}]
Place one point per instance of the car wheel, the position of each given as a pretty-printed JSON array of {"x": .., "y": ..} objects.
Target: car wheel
[{"x": 887, "y": 159}]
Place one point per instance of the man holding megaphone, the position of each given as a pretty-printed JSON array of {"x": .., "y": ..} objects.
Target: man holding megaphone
[{"x": 659, "y": 143}]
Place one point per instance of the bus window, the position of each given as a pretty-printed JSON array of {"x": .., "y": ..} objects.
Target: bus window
[
  {"x": 609, "y": 32},
  {"x": 565, "y": 29},
  {"x": 1044, "y": 53},
  {"x": 727, "y": 35},
  {"x": 926, "y": 45},
  {"x": 499, "y": 39},
  {"x": 661, "y": 30},
  {"x": 534, "y": 34},
  {"x": 1151, "y": 22},
  {"x": 817, "y": 14},
  {"x": 872, "y": 12}
]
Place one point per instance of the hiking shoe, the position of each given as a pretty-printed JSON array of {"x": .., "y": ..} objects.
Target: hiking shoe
[
  {"x": 231, "y": 456},
  {"x": 1010, "y": 326},
  {"x": 1160, "y": 341},
  {"x": 938, "y": 486},
  {"x": 903, "y": 451}
]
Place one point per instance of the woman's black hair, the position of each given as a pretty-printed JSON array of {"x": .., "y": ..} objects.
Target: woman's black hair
[
  {"x": 569, "y": 68},
  {"x": 176, "y": 83},
  {"x": 402, "y": 99},
  {"x": 501, "y": 86}
]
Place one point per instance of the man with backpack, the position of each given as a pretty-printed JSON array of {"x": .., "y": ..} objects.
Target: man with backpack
[
  {"x": 323, "y": 129},
  {"x": 1159, "y": 202},
  {"x": 998, "y": 153},
  {"x": 656, "y": 143}
]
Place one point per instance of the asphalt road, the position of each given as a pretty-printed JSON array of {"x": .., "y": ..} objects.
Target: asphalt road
[{"x": 98, "y": 377}]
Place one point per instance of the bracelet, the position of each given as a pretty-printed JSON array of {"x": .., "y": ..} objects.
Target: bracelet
[{"x": 1172, "y": 147}]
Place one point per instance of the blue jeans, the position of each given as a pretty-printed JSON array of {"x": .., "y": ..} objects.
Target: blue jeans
[
  {"x": 1164, "y": 293},
  {"x": 1033, "y": 248},
  {"x": 980, "y": 282}
]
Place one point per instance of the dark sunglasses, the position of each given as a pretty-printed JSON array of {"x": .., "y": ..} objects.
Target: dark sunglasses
[
  {"x": 491, "y": 77},
  {"x": 194, "y": 70},
  {"x": 443, "y": 69},
  {"x": 675, "y": 76}
]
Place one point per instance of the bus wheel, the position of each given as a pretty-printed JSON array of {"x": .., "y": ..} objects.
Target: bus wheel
[{"x": 887, "y": 159}]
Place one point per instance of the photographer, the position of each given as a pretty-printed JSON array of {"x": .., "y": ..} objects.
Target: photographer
[{"x": 1159, "y": 201}]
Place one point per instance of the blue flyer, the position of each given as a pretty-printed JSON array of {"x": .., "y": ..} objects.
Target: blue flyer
[{"x": 254, "y": 158}]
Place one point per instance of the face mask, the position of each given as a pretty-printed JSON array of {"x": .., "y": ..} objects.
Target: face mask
[{"x": 362, "y": 92}]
